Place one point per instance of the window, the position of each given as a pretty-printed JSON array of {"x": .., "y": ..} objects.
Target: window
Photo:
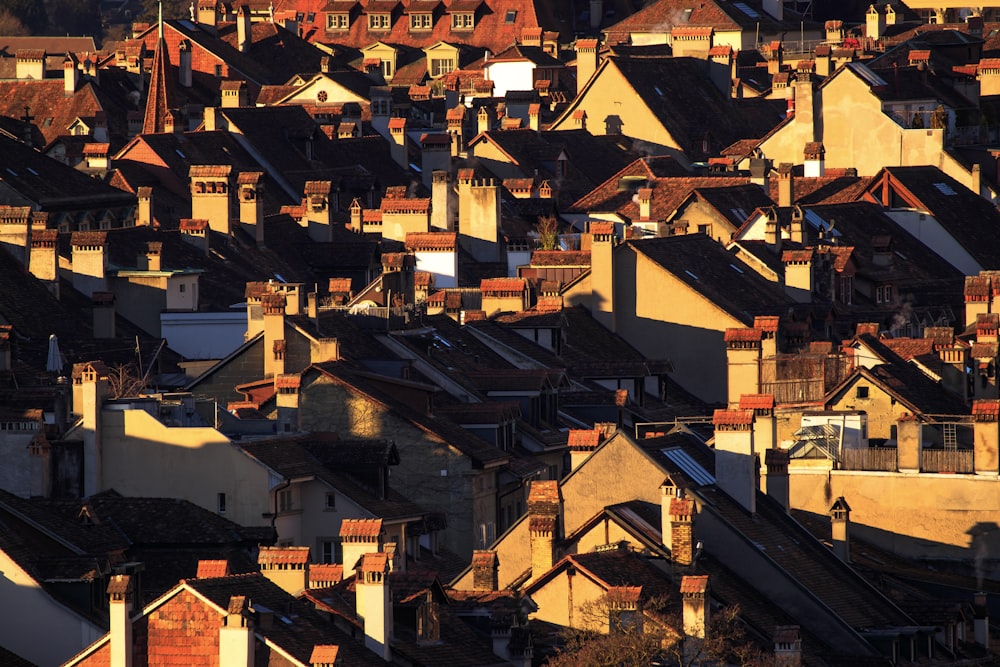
[
  {"x": 486, "y": 535},
  {"x": 705, "y": 229},
  {"x": 378, "y": 22},
  {"x": 847, "y": 290},
  {"x": 218, "y": 70},
  {"x": 285, "y": 501},
  {"x": 182, "y": 287},
  {"x": 322, "y": 96},
  {"x": 861, "y": 392},
  {"x": 331, "y": 501},
  {"x": 441, "y": 66},
  {"x": 329, "y": 550},
  {"x": 463, "y": 21},
  {"x": 511, "y": 16},
  {"x": 883, "y": 294},
  {"x": 337, "y": 22},
  {"x": 421, "y": 22},
  {"x": 387, "y": 70},
  {"x": 221, "y": 499}
]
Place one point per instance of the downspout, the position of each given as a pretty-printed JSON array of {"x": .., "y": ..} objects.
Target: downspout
[{"x": 278, "y": 489}]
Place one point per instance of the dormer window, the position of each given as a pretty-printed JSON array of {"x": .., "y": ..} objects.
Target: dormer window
[
  {"x": 441, "y": 66},
  {"x": 463, "y": 21},
  {"x": 421, "y": 21},
  {"x": 338, "y": 21},
  {"x": 379, "y": 22}
]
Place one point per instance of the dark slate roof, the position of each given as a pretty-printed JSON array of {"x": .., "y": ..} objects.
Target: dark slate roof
[
  {"x": 331, "y": 462},
  {"x": 52, "y": 185},
  {"x": 708, "y": 268},
  {"x": 971, "y": 220},
  {"x": 735, "y": 203},
  {"x": 692, "y": 109}
]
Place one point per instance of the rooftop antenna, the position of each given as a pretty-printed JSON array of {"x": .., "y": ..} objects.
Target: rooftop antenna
[{"x": 159, "y": 21}]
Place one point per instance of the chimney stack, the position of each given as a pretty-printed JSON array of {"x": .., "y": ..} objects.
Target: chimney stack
[
  {"x": 981, "y": 620},
  {"x": 696, "y": 614},
  {"x": 285, "y": 567},
  {"x": 236, "y": 636},
  {"x": 787, "y": 646},
  {"x": 120, "y": 611},
  {"x": 244, "y": 31},
  {"x": 374, "y": 603},
  {"x": 786, "y": 185},
  {"x": 840, "y": 525},
  {"x": 735, "y": 458},
  {"x": 485, "y": 570},
  {"x": 985, "y": 413},
  {"x": 144, "y": 213},
  {"x": 357, "y": 538},
  {"x": 586, "y": 61},
  {"x": 682, "y": 544},
  {"x": 743, "y": 355},
  {"x": 582, "y": 443},
  {"x": 442, "y": 213},
  {"x": 273, "y": 306},
  {"x": 776, "y": 479},
  {"x": 544, "y": 505}
]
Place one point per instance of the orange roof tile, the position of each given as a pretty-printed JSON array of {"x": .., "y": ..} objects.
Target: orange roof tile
[
  {"x": 804, "y": 255},
  {"x": 414, "y": 205},
  {"x": 766, "y": 323},
  {"x": 757, "y": 402},
  {"x": 369, "y": 528},
  {"x": 288, "y": 381},
  {"x": 501, "y": 285},
  {"x": 732, "y": 417},
  {"x": 602, "y": 228},
  {"x": 209, "y": 170},
  {"x": 340, "y": 285},
  {"x": 870, "y": 328},
  {"x": 694, "y": 585},
  {"x": 324, "y": 654},
  {"x": 326, "y": 573},
  {"x": 431, "y": 240},
  {"x": 208, "y": 569},
  {"x": 986, "y": 409},
  {"x": 484, "y": 558},
  {"x": 544, "y": 495},
  {"x": 292, "y": 555},
  {"x": 376, "y": 562},
  {"x": 742, "y": 335},
  {"x": 584, "y": 439},
  {"x": 624, "y": 595}
]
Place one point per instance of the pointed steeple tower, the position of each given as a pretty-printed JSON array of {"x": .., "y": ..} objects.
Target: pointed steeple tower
[{"x": 160, "y": 95}]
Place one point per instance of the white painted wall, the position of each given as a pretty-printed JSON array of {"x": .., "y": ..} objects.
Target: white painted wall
[
  {"x": 444, "y": 266},
  {"x": 930, "y": 232},
  {"x": 510, "y": 75},
  {"x": 39, "y": 616},
  {"x": 204, "y": 335}
]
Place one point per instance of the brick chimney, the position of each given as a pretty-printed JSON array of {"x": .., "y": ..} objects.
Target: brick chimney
[
  {"x": 374, "y": 603},
  {"x": 582, "y": 443},
  {"x": 985, "y": 413},
  {"x": 357, "y": 538},
  {"x": 776, "y": 482},
  {"x": 840, "y": 529},
  {"x": 735, "y": 459},
  {"x": 250, "y": 186},
  {"x": 285, "y": 567},
  {"x": 273, "y": 307},
  {"x": 909, "y": 443},
  {"x": 786, "y": 185},
  {"x": 743, "y": 355},
  {"x": 978, "y": 297},
  {"x": 485, "y": 570},
  {"x": 236, "y": 636},
  {"x": 103, "y": 305},
  {"x": 455, "y": 119},
  {"x": 120, "y": 613},
  {"x": 90, "y": 262},
  {"x": 787, "y": 646},
  {"x": 682, "y": 545},
  {"x": 544, "y": 506}
]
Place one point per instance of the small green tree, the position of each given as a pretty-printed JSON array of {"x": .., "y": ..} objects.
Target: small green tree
[{"x": 548, "y": 232}]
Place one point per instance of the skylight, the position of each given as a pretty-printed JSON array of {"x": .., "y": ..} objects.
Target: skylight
[
  {"x": 658, "y": 91},
  {"x": 736, "y": 268},
  {"x": 739, "y": 213},
  {"x": 511, "y": 16},
  {"x": 870, "y": 77},
  {"x": 945, "y": 189},
  {"x": 691, "y": 274},
  {"x": 11, "y": 172},
  {"x": 32, "y": 171},
  {"x": 746, "y": 9},
  {"x": 180, "y": 154},
  {"x": 689, "y": 466},
  {"x": 819, "y": 224}
]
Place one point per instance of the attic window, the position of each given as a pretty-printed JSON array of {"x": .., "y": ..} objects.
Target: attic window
[
  {"x": 945, "y": 189},
  {"x": 338, "y": 21},
  {"x": 11, "y": 172},
  {"x": 379, "y": 22},
  {"x": 511, "y": 16},
  {"x": 421, "y": 21},
  {"x": 463, "y": 21},
  {"x": 47, "y": 122}
]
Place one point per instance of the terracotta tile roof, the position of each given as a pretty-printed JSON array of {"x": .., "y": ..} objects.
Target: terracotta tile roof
[
  {"x": 741, "y": 417},
  {"x": 431, "y": 240},
  {"x": 484, "y": 558},
  {"x": 544, "y": 497},
  {"x": 757, "y": 402},
  {"x": 766, "y": 323},
  {"x": 803, "y": 255},
  {"x": 376, "y": 562},
  {"x": 986, "y": 409},
  {"x": 288, "y": 381},
  {"x": 287, "y": 555},
  {"x": 324, "y": 654},
  {"x": 561, "y": 257},
  {"x": 188, "y": 224},
  {"x": 120, "y": 584},
  {"x": 80, "y": 239},
  {"x": 408, "y": 205},
  {"x": 212, "y": 568},
  {"x": 160, "y": 98},
  {"x": 602, "y": 228},
  {"x": 501, "y": 285},
  {"x": 624, "y": 596},
  {"x": 325, "y": 574},
  {"x": 210, "y": 170},
  {"x": 584, "y": 439},
  {"x": 361, "y": 528},
  {"x": 694, "y": 584},
  {"x": 985, "y": 350}
]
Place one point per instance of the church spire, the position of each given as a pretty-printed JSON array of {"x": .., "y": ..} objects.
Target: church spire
[{"x": 158, "y": 99}]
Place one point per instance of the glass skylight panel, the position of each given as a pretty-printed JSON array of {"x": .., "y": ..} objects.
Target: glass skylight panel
[
  {"x": 945, "y": 189},
  {"x": 746, "y": 9},
  {"x": 690, "y": 467}
]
